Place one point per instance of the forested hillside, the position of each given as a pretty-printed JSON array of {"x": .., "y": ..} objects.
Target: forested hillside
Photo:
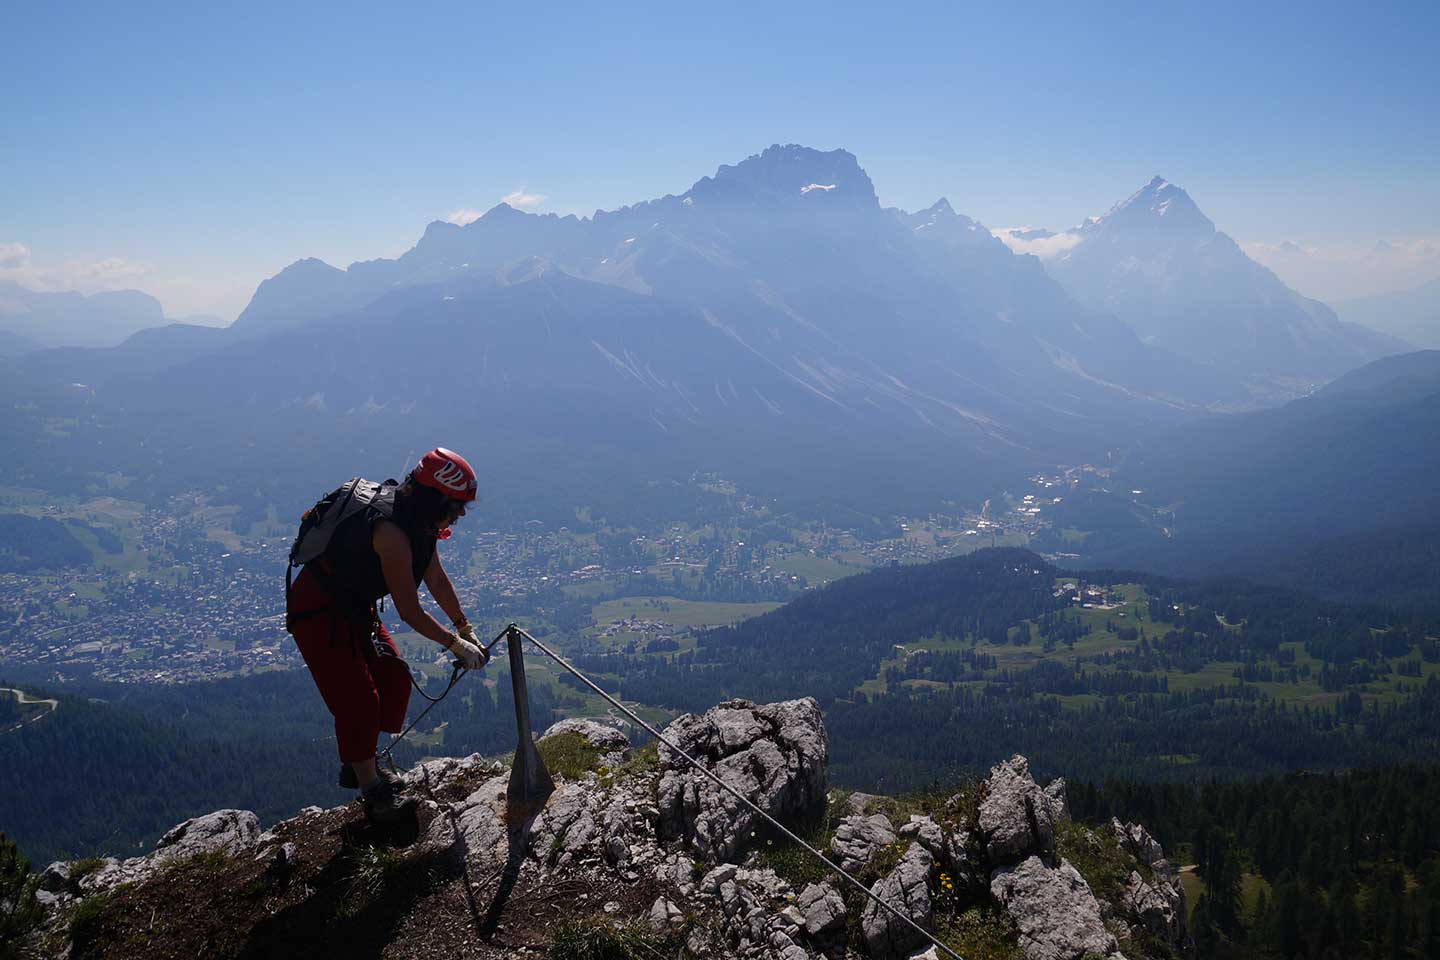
[
  {"x": 1304, "y": 865},
  {"x": 1155, "y": 678}
]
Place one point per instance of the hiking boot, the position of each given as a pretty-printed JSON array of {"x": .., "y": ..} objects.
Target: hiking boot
[
  {"x": 349, "y": 781},
  {"x": 384, "y": 803}
]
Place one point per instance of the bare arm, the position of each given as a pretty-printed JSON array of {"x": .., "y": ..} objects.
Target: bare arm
[
  {"x": 438, "y": 583},
  {"x": 393, "y": 548}
]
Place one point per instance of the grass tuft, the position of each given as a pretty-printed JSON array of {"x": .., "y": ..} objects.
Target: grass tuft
[
  {"x": 86, "y": 923},
  {"x": 792, "y": 862},
  {"x": 596, "y": 938},
  {"x": 376, "y": 872},
  {"x": 980, "y": 933},
  {"x": 85, "y": 867},
  {"x": 569, "y": 755}
]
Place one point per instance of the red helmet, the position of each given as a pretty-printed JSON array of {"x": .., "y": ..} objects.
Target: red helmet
[{"x": 448, "y": 472}]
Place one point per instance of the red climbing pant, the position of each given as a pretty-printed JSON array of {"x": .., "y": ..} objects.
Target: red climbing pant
[{"x": 361, "y": 677}]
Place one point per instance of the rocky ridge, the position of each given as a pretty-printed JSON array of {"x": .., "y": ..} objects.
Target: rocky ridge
[{"x": 638, "y": 851}]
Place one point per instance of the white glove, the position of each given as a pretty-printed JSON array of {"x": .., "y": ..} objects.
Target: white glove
[
  {"x": 468, "y": 632},
  {"x": 470, "y": 655}
]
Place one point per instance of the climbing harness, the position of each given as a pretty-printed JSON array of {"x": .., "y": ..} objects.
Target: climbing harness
[{"x": 514, "y": 631}]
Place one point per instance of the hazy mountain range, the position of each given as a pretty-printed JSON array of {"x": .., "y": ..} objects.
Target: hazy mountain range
[
  {"x": 31, "y": 320},
  {"x": 773, "y": 324},
  {"x": 1412, "y": 315}
]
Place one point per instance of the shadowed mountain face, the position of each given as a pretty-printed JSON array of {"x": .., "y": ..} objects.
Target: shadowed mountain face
[
  {"x": 1258, "y": 493},
  {"x": 1160, "y": 265}
]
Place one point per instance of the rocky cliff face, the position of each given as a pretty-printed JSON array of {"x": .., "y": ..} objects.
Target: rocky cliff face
[{"x": 638, "y": 855}]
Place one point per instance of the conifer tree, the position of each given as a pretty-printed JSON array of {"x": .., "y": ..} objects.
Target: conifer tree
[{"x": 19, "y": 913}]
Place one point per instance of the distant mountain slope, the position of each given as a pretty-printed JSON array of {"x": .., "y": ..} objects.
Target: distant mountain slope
[
  {"x": 141, "y": 354},
  {"x": 14, "y": 345},
  {"x": 1412, "y": 315},
  {"x": 71, "y": 319},
  {"x": 1159, "y": 264},
  {"x": 1245, "y": 492}
]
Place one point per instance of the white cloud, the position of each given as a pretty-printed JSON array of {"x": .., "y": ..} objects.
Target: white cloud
[
  {"x": 14, "y": 256},
  {"x": 518, "y": 198},
  {"x": 1333, "y": 273},
  {"x": 1044, "y": 247},
  {"x": 18, "y": 265},
  {"x": 521, "y": 200},
  {"x": 463, "y": 217}
]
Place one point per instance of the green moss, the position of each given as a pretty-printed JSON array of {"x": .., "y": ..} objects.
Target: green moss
[
  {"x": 569, "y": 755},
  {"x": 596, "y": 938}
]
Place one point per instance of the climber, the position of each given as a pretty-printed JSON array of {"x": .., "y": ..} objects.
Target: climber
[{"x": 360, "y": 543}]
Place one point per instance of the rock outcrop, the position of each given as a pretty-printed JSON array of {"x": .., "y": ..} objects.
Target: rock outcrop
[
  {"x": 224, "y": 832},
  {"x": 774, "y": 754},
  {"x": 657, "y": 845},
  {"x": 1016, "y": 816},
  {"x": 1156, "y": 898},
  {"x": 1055, "y": 911}
]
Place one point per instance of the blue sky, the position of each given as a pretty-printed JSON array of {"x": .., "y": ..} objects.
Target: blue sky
[{"x": 192, "y": 151}]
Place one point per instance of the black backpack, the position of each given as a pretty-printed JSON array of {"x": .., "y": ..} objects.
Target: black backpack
[{"x": 319, "y": 523}]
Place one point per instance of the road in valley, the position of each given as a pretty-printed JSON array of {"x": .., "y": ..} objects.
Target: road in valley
[{"x": 23, "y": 698}]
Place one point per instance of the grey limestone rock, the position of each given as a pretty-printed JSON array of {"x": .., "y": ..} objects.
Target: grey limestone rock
[
  {"x": 666, "y": 915},
  {"x": 1059, "y": 802},
  {"x": 857, "y": 803},
  {"x": 227, "y": 831},
  {"x": 435, "y": 775},
  {"x": 927, "y": 833},
  {"x": 823, "y": 910},
  {"x": 1138, "y": 842},
  {"x": 774, "y": 755},
  {"x": 1054, "y": 909},
  {"x": 475, "y": 827},
  {"x": 907, "y": 888},
  {"x": 1159, "y": 907},
  {"x": 1015, "y": 815},
  {"x": 857, "y": 838}
]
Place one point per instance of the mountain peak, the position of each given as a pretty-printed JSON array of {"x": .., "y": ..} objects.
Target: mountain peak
[
  {"x": 1158, "y": 206},
  {"x": 791, "y": 174}
]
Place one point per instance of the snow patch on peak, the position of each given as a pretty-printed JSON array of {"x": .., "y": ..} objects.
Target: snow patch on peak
[{"x": 825, "y": 187}]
